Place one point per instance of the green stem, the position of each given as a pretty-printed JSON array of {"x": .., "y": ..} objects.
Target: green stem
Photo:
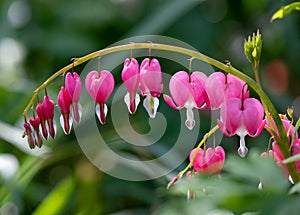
[
  {"x": 255, "y": 68},
  {"x": 283, "y": 144}
]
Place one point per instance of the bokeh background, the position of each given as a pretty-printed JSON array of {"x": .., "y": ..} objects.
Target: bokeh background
[{"x": 39, "y": 37}]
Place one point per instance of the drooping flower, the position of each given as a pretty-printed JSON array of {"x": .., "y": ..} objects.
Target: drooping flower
[
  {"x": 220, "y": 86},
  {"x": 45, "y": 113},
  {"x": 209, "y": 161},
  {"x": 48, "y": 108},
  {"x": 131, "y": 79},
  {"x": 242, "y": 117},
  {"x": 295, "y": 146},
  {"x": 28, "y": 133},
  {"x": 296, "y": 151},
  {"x": 100, "y": 86},
  {"x": 64, "y": 102},
  {"x": 40, "y": 112},
  {"x": 73, "y": 87},
  {"x": 151, "y": 84},
  {"x": 289, "y": 128},
  {"x": 35, "y": 123},
  {"x": 188, "y": 92}
]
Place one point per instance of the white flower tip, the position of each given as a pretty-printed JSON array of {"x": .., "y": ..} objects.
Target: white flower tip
[
  {"x": 243, "y": 151},
  {"x": 101, "y": 114},
  {"x": 190, "y": 123},
  {"x": 66, "y": 126},
  {"x": 135, "y": 104},
  {"x": 76, "y": 111},
  {"x": 151, "y": 104}
]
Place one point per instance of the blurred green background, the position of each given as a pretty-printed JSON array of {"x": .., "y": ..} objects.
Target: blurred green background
[{"x": 39, "y": 37}]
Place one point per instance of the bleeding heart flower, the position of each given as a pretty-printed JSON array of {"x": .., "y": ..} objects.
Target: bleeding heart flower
[
  {"x": 220, "y": 87},
  {"x": 289, "y": 128},
  {"x": 28, "y": 133},
  {"x": 296, "y": 151},
  {"x": 45, "y": 113},
  {"x": 64, "y": 102},
  {"x": 208, "y": 161},
  {"x": 151, "y": 84},
  {"x": 131, "y": 78},
  {"x": 100, "y": 86},
  {"x": 73, "y": 87},
  {"x": 40, "y": 113},
  {"x": 242, "y": 117},
  {"x": 35, "y": 123},
  {"x": 188, "y": 92}
]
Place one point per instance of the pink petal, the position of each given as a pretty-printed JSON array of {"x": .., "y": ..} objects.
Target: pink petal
[
  {"x": 64, "y": 101},
  {"x": 99, "y": 86},
  {"x": 253, "y": 115},
  {"x": 198, "y": 80},
  {"x": 180, "y": 88},
  {"x": 170, "y": 102},
  {"x": 231, "y": 114},
  {"x": 48, "y": 107},
  {"x": 131, "y": 74},
  {"x": 73, "y": 86},
  {"x": 151, "y": 77},
  {"x": 234, "y": 87},
  {"x": 215, "y": 87}
]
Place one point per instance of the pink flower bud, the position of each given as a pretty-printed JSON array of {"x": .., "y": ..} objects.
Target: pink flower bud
[
  {"x": 35, "y": 123},
  {"x": 131, "y": 78},
  {"x": 210, "y": 161},
  {"x": 45, "y": 113},
  {"x": 73, "y": 87},
  {"x": 28, "y": 133},
  {"x": 40, "y": 112},
  {"x": 151, "y": 84},
  {"x": 64, "y": 103},
  {"x": 100, "y": 86}
]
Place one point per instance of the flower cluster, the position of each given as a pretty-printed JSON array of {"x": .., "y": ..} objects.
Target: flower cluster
[
  {"x": 293, "y": 139},
  {"x": 239, "y": 114}
]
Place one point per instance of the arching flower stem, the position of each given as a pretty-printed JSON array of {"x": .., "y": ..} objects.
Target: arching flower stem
[{"x": 227, "y": 68}]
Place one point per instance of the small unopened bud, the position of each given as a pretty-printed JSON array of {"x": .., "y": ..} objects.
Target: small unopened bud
[
  {"x": 290, "y": 112},
  {"x": 253, "y": 47}
]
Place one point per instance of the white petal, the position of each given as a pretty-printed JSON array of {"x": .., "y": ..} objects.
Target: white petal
[
  {"x": 190, "y": 122},
  {"x": 76, "y": 111},
  {"x": 61, "y": 120},
  {"x": 243, "y": 150},
  {"x": 151, "y": 104},
  {"x": 127, "y": 101},
  {"x": 98, "y": 112}
]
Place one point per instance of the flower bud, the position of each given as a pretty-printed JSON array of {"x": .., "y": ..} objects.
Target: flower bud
[{"x": 253, "y": 47}]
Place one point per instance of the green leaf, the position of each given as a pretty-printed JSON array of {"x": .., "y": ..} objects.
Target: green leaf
[
  {"x": 55, "y": 202},
  {"x": 295, "y": 189},
  {"x": 292, "y": 159},
  {"x": 296, "y": 130},
  {"x": 285, "y": 10}
]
